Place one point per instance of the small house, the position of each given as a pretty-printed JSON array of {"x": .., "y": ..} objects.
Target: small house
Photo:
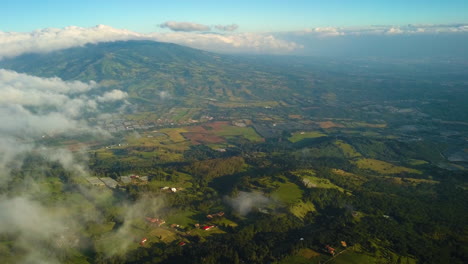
[{"x": 206, "y": 228}]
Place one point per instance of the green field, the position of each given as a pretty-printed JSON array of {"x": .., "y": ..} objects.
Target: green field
[
  {"x": 183, "y": 218},
  {"x": 356, "y": 255},
  {"x": 162, "y": 234},
  {"x": 304, "y": 256},
  {"x": 347, "y": 149},
  {"x": 352, "y": 257},
  {"x": 301, "y": 209},
  {"x": 311, "y": 181},
  {"x": 347, "y": 178},
  {"x": 383, "y": 167},
  {"x": 364, "y": 124},
  {"x": 415, "y": 162},
  {"x": 247, "y": 104},
  {"x": 287, "y": 192},
  {"x": 175, "y": 134},
  {"x": 297, "y": 259},
  {"x": 205, "y": 233},
  {"x": 298, "y": 136},
  {"x": 223, "y": 222},
  {"x": 177, "y": 180},
  {"x": 234, "y": 131}
]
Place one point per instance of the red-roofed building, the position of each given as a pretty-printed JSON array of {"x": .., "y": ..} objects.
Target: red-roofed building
[
  {"x": 156, "y": 221},
  {"x": 330, "y": 250}
]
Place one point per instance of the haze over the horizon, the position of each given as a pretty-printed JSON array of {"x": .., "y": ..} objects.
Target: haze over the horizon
[{"x": 373, "y": 28}]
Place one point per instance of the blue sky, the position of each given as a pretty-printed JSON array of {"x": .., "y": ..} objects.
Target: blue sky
[{"x": 251, "y": 16}]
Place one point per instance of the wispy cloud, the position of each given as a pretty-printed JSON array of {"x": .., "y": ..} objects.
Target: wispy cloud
[
  {"x": 184, "y": 26},
  {"x": 231, "y": 43},
  {"x": 244, "y": 202},
  {"x": 411, "y": 29},
  {"x": 191, "y": 27},
  {"x": 231, "y": 27}
]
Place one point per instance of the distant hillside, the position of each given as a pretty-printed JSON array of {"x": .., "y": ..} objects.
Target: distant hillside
[{"x": 147, "y": 68}]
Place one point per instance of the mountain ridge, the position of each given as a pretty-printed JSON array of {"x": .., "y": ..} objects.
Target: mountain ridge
[{"x": 146, "y": 68}]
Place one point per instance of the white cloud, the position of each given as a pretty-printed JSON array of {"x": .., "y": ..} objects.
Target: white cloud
[
  {"x": 66, "y": 97},
  {"x": 19, "y": 121},
  {"x": 163, "y": 95},
  {"x": 395, "y": 30},
  {"x": 23, "y": 89},
  {"x": 184, "y": 26},
  {"x": 50, "y": 39},
  {"x": 23, "y": 81},
  {"x": 324, "y": 31},
  {"x": 31, "y": 107},
  {"x": 114, "y": 95}
]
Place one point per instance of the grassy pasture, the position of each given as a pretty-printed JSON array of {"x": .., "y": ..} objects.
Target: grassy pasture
[
  {"x": 224, "y": 222},
  {"x": 410, "y": 181},
  {"x": 349, "y": 178},
  {"x": 162, "y": 234},
  {"x": 347, "y": 149},
  {"x": 183, "y": 218},
  {"x": 383, "y": 167},
  {"x": 312, "y": 181},
  {"x": 147, "y": 116},
  {"x": 300, "y": 209},
  {"x": 203, "y": 138},
  {"x": 352, "y": 257},
  {"x": 415, "y": 162},
  {"x": 308, "y": 253},
  {"x": 329, "y": 124},
  {"x": 234, "y": 131},
  {"x": 175, "y": 134},
  {"x": 355, "y": 255},
  {"x": 298, "y": 136},
  {"x": 204, "y": 233},
  {"x": 288, "y": 193},
  {"x": 303, "y": 256},
  {"x": 246, "y": 104},
  {"x": 218, "y": 132},
  {"x": 364, "y": 124}
]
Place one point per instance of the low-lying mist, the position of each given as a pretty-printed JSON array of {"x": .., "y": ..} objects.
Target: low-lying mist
[
  {"x": 48, "y": 212},
  {"x": 245, "y": 202}
]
